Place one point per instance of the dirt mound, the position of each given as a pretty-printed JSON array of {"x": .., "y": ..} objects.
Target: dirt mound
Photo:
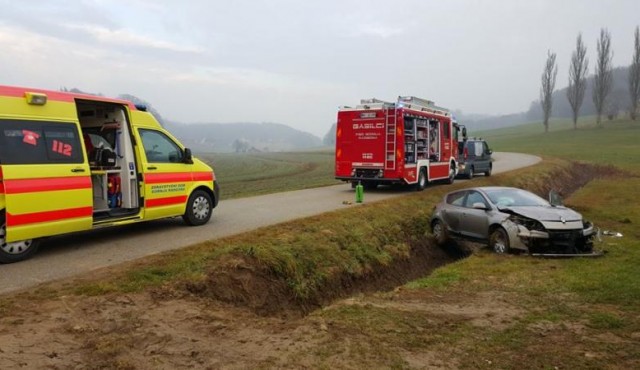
[{"x": 243, "y": 281}]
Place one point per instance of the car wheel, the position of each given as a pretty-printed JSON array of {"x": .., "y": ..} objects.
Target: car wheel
[
  {"x": 470, "y": 174},
  {"x": 15, "y": 251},
  {"x": 439, "y": 232},
  {"x": 499, "y": 241},
  {"x": 422, "y": 180},
  {"x": 199, "y": 208},
  {"x": 488, "y": 172}
]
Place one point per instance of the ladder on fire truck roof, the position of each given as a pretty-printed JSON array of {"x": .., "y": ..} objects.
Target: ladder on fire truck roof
[
  {"x": 374, "y": 103},
  {"x": 390, "y": 139},
  {"x": 411, "y": 102}
]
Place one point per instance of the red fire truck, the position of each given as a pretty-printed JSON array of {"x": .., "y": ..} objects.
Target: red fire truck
[{"x": 411, "y": 141}]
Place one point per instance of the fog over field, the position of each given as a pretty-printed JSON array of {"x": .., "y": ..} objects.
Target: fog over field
[{"x": 295, "y": 62}]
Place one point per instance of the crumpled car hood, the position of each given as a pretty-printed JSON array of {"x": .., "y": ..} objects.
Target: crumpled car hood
[{"x": 555, "y": 214}]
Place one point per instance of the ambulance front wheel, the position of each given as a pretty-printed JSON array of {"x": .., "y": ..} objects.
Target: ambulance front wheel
[
  {"x": 15, "y": 251},
  {"x": 199, "y": 208}
]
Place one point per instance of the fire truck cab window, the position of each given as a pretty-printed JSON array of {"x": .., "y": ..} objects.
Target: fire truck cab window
[
  {"x": 159, "y": 148},
  {"x": 38, "y": 142}
]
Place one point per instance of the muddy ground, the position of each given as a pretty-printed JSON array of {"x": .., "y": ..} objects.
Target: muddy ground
[{"x": 188, "y": 326}]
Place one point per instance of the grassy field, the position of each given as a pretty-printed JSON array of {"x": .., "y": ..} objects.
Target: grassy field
[
  {"x": 483, "y": 311},
  {"x": 248, "y": 174},
  {"x": 615, "y": 143}
]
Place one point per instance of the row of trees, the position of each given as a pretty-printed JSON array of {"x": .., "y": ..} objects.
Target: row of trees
[{"x": 602, "y": 81}]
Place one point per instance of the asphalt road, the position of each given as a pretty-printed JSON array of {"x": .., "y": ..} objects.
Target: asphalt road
[{"x": 70, "y": 255}]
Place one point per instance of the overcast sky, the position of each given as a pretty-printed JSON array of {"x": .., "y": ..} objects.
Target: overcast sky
[{"x": 295, "y": 62}]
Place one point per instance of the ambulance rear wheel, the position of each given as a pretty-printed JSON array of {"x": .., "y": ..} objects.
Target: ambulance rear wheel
[
  {"x": 199, "y": 208},
  {"x": 15, "y": 251}
]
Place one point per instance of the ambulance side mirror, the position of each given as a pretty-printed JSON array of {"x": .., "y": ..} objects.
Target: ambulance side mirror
[{"x": 188, "y": 157}]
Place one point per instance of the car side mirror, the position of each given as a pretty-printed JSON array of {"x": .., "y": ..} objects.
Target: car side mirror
[
  {"x": 480, "y": 205},
  {"x": 489, "y": 151},
  {"x": 554, "y": 198},
  {"x": 188, "y": 157}
]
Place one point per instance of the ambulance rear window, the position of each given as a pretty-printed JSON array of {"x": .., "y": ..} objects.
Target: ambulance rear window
[{"x": 39, "y": 142}]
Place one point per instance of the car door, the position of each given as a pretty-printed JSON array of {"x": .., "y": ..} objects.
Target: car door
[
  {"x": 452, "y": 211},
  {"x": 46, "y": 179},
  {"x": 167, "y": 177},
  {"x": 486, "y": 157},
  {"x": 474, "y": 222},
  {"x": 477, "y": 156}
]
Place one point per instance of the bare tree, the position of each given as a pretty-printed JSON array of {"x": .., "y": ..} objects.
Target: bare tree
[
  {"x": 548, "y": 85},
  {"x": 634, "y": 77},
  {"x": 577, "y": 78},
  {"x": 603, "y": 79}
]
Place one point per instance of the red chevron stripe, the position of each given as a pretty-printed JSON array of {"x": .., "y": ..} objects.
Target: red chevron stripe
[{"x": 57, "y": 215}]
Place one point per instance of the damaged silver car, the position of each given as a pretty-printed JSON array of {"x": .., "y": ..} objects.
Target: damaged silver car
[{"x": 512, "y": 219}]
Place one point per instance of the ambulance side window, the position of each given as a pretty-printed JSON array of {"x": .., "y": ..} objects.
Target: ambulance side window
[
  {"x": 39, "y": 142},
  {"x": 159, "y": 148}
]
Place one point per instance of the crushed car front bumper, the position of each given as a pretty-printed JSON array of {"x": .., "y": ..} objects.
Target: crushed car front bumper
[{"x": 574, "y": 238}]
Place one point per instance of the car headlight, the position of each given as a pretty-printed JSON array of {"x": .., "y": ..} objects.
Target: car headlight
[{"x": 529, "y": 223}]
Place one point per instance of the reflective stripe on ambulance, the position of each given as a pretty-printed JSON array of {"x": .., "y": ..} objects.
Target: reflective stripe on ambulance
[
  {"x": 161, "y": 184},
  {"x": 49, "y": 187}
]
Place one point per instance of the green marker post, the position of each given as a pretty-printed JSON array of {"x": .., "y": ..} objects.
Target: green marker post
[{"x": 359, "y": 193}]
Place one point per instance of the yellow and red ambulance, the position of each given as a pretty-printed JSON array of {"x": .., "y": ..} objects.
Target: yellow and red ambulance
[{"x": 72, "y": 162}]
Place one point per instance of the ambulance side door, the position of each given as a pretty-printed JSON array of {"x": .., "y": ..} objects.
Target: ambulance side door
[
  {"x": 166, "y": 176},
  {"x": 46, "y": 178}
]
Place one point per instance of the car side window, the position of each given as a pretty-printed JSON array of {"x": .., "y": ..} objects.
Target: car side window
[
  {"x": 478, "y": 149},
  {"x": 474, "y": 197},
  {"x": 456, "y": 199},
  {"x": 159, "y": 148},
  {"x": 485, "y": 147}
]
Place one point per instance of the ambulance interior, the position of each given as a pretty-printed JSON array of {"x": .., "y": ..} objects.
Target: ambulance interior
[{"x": 109, "y": 147}]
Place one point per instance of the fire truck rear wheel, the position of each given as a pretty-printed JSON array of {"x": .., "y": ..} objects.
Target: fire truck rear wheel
[
  {"x": 15, "y": 251},
  {"x": 452, "y": 174},
  {"x": 199, "y": 208},
  {"x": 422, "y": 180}
]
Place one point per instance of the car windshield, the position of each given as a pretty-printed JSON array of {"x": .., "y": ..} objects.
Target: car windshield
[{"x": 515, "y": 198}]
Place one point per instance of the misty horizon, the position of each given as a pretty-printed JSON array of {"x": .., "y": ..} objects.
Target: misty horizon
[{"x": 296, "y": 63}]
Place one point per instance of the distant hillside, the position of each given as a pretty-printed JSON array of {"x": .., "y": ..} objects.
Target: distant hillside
[
  {"x": 242, "y": 137},
  {"x": 619, "y": 104},
  {"x": 228, "y": 137},
  {"x": 478, "y": 123}
]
